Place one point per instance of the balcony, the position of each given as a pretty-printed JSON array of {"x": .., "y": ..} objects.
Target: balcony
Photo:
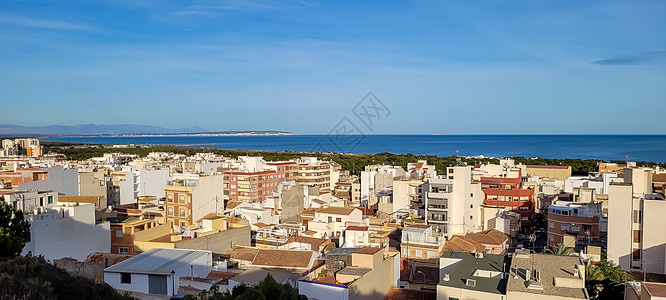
[{"x": 437, "y": 195}]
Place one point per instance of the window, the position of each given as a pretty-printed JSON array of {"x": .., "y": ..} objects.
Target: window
[
  {"x": 551, "y": 224},
  {"x": 637, "y": 216},
  {"x": 564, "y": 226},
  {"x": 50, "y": 199},
  {"x": 182, "y": 198},
  {"x": 123, "y": 250},
  {"x": 431, "y": 254},
  {"x": 119, "y": 233},
  {"x": 170, "y": 211},
  {"x": 182, "y": 224},
  {"x": 419, "y": 253},
  {"x": 637, "y": 236},
  {"x": 575, "y": 228},
  {"x": 471, "y": 282},
  {"x": 330, "y": 219},
  {"x": 125, "y": 278},
  {"x": 636, "y": 254},
  {"x": 170, "y": 198},
  {"x": 551, "y": 238},
  {"x": 41, "y": 201},
  {"x": 182, "y": 212},
  {"x": 338, "y": 220}
]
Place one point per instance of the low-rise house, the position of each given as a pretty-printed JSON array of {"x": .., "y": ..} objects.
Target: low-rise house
[
  {"x": 158, "y": 270},
  {"x": 331, "y": 221},
  {"x": 122, "y": 233},
  {"x": 543, "y": 276},
  {"x": 296, "y": 242},
  {"x": 459, "y": 243},
  {"x": 92, "y": 267},
  {"x": 419, "y": 242},
  {"x": 495, "y": 241},
  {"x": 472, "y": 276},
  {"x": 66, "y": 230},
  {"x": 294, "y": 260},
  {"x": 357, "y": 273}
]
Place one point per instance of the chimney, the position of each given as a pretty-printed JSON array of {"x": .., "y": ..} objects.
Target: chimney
[{"x": 447, "y": 277}]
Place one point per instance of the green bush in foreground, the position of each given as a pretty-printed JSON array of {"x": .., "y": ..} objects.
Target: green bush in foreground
[
  {"x": 267, "y": 289},
  {"x": 33, "y": 278}
]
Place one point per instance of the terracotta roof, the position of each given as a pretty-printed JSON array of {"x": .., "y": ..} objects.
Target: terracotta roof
[
  {"x": 291, "y": 259},
  {"x": 261, "y": 224},
  {"x": 315, "y": 242},
  {"x": 366, "y": 211},
  {"x": 221, "y": 274},
  {"x": 336, "y": 210},
  {"x": 547, "y": 167},
  {"x": 100, "y": 258},
  {"x": 318, "y": 201},
  {"x": 367, "y": 250},
  {"x": 419, "y": 226},
  {"x": 243, "y": 253},
  {"x": 309, "y": 211},
  {"x": 461, "y": 244},
  {"x": 357, "y": 228},
  {"x": 80, "y": 199},
  {"x": 488, "y": 237},
  {"x": 407, "y": 294},
  {"x": 661, "y": 177},
  {"x": 233, "y": 204},
  {"x": 655, "y": 289}
]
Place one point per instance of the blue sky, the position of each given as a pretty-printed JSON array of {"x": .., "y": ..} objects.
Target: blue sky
[{"x": 440, "y": 66}]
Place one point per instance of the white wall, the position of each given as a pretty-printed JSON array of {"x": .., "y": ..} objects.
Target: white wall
[
  {"x": 153, "y": 182},
  {"x": 321, "y": 291},
  {"x": 61, "y": 180},
  {"x": 70, "y": 232}
]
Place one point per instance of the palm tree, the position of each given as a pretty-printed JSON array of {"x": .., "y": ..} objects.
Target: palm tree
[{"x": 560, "y": 249}]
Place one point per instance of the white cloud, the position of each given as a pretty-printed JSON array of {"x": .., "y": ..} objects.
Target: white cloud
[{"x": 22, "y": 21}]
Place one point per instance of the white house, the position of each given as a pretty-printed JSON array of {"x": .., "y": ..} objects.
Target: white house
[
  {"x": 157, "y": 271},
  {"x": 66, "y": 230}
]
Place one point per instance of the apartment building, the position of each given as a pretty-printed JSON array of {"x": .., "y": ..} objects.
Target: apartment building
[
  {"x": 510, "y": 196},
  {"x": 252, "y": 186},
  {"x": 453, "y": 202},
  {"x": 420, "y": 242},
  {"x": 636, "y": 239},
  {"x": 314, "y": 172},
  {"x": 189, "y": 197},
  {"x": 574, "y": 223}
]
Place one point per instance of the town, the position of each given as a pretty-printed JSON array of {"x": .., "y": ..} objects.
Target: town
[{"x": 172, "y": 224}]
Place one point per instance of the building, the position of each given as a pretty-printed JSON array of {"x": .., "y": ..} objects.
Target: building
[
  {"x": 544, "y": 276},
  {"x": 635, "y": 238},
  {"x": 331, "y": 221},
  {"x": 557, "y": 172},
  {"x": 354, "y": 273},
  {"x": 453, "y": 202},
  {"x": 574, "y": 223},
  {"x": 314, "y": 172},
  {"x": 419, "y": 242},
  {"x": 472, "y": 276},
  {"x": 494, "y": 241},
  {"x": 158, "y": 270},
  {"x": 189, "y": 197},
  {"x": 122, "y": 233},
  {"x": 66, "y": 230}
]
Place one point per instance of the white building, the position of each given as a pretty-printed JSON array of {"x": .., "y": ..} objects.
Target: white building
[
  {"x": 157, "y": 271},
  {"x": 62, "y": 180},
  {"x": 67, "y": 231},
  {"x": 453, "y": 202}
]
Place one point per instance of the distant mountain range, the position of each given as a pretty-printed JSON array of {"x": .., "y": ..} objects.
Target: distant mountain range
[{"x": 93, "y": 129}]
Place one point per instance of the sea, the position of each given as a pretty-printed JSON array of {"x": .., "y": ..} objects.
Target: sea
[{"x": 602, "y": 147}]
